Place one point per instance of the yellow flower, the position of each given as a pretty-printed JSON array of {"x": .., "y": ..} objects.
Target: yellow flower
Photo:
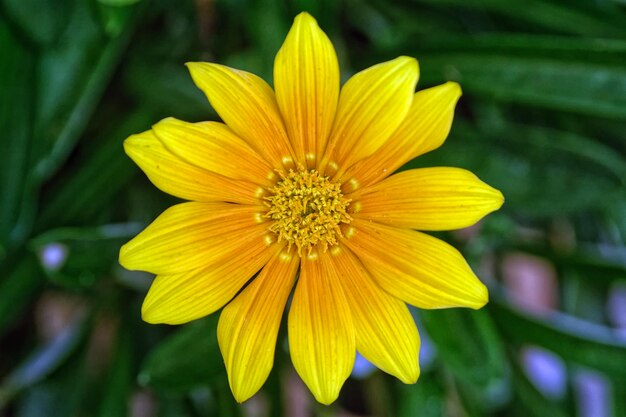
[{"x": 296, "y": 185}]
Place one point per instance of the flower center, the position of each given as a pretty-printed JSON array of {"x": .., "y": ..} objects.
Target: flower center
[{"x": 307, "y": 209}]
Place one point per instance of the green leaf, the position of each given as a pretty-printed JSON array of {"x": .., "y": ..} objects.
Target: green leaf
[
  {"x": 116, "y": 17},
  {"x": 16, "y": 118},
  {"x": 187, "y": 359},
  {"x": 568, "y": 85},
  {"x": 393, "y": 28},
  {"x": 72, "y": 77},
  {"x": 83, "y": 192},
  {"x": 424, "y": 399},
  {"x": 21, "y": 279},
  {"x": 383, "y": 32},
  {"x": 114, "y": 401},
  {"x": 619, "y": 393},
  {"x": 469, "y": 345},
  {"x": 574, "y": 340},
  {"x": 225, "y": 402},
  {"x": 558, "y": 16},
  {"x": 40, "y": 20},
  {"x": 118, "y": 3},
  {"x": 168, "y": 89},
  {"x": 174, "y": 407},
  {"x": 562, "y": 48},
  {"x": 265, "y": 14}
]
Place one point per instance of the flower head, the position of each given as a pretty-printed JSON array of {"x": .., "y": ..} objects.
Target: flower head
[{"x": 295, "y": 189}]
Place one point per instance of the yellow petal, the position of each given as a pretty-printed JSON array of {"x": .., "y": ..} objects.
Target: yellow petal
[
  {"x": 428, "y": 199},
  {"x": 181, "y": 179},
  {"x": 249, "y": 325},
  {"x": 192, "y": 235},
  {"x": 321, "y": 332},
  {"x": 179, "y": 298},
  {"x": 424, "y": 128},
  {"x": 306, "y": 79},
  {"x": 248, "y": 106},
  {"x": 416, "y": 268},
  {"x": 386, "y": 334},
  {"x": 372, "y": 105},
  {"x": 214, "y": 147}
]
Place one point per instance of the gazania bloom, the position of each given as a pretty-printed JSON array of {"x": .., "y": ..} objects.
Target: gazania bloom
[{"x": 294, "y": 191}]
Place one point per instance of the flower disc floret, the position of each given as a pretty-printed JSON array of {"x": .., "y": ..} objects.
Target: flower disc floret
[{"x": 308, "y": 209}]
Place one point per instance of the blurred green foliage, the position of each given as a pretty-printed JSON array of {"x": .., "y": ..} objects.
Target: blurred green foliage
[{"x": 542, "y": 118}]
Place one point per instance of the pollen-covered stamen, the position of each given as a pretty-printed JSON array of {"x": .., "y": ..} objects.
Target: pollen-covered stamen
[{"x": 307, "y": 209}]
